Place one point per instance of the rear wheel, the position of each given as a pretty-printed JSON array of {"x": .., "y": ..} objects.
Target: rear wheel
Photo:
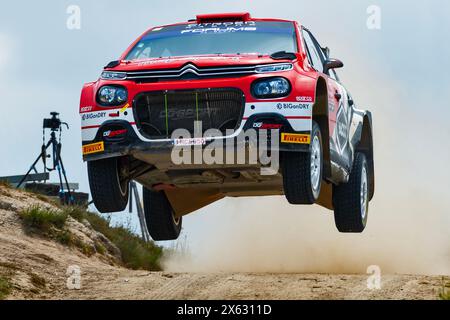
[
  {"x": 351, "y": 200},
  {"x": 162, "y": 224},
  {"x": 109, "y": 185},
  {"x": 302, "y": 172}
]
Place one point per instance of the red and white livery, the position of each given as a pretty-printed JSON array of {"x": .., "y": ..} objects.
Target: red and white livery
[{"x": 227, "y": 73}]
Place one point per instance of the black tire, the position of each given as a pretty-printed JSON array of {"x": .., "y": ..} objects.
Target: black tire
[
  {"x": 297, "y": 173},
  {"x": 159, "y": 216},
  {"x": 109, "y": 192},
  {"x": 348, "y": 199}
]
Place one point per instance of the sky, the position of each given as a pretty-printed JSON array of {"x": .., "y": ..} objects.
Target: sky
[{"x": 399, "y": 72}]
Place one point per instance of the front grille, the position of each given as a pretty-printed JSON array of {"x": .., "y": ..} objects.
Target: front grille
[
  {"x": 188, "y": 72},
  {"x": 159, "y": 113}
]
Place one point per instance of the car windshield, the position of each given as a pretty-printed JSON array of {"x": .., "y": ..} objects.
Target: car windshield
[{"x": 216, "y": 38}]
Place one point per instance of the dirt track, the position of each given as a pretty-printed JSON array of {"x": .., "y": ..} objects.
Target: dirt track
[
  {"x": 38, "y": 267},
  {"x": 143, "y": 285}
]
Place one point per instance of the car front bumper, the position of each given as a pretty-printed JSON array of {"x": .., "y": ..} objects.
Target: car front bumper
[{"x": 132, "y": 144}]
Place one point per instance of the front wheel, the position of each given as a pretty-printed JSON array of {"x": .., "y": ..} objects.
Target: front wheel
[
  {"x": 351, "y": 200},
  {"x": 302, "y": 172},
  {"x": 109, "y": 186},
  {"x": 162, "y": 224}
]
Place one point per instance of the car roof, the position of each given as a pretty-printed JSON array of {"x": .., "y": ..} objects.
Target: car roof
[{"x": 223, "y": 17}]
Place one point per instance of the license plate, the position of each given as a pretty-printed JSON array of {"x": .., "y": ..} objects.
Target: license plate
[{"x": 189, "y": 142}]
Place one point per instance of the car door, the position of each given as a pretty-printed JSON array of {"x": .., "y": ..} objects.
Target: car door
[
  {"x": 342, "y": 111},
  {"x": 339, "y": 109}
]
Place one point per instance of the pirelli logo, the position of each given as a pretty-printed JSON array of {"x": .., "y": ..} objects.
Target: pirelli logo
[
  {"x": 93, "y": 148},
  {"x": 295, "y": 138}
]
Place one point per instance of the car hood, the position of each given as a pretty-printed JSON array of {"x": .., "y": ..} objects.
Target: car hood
[{"x": 199, "y": 61}]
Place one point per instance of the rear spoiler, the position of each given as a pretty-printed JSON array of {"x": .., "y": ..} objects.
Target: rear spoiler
[{"x": 223, "y": 17}]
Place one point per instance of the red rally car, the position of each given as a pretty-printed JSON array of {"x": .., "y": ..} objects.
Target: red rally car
[{"x": 232, "y": 74}]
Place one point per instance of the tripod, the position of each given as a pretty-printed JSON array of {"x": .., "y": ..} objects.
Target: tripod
[{"x": 57, "y": 160}]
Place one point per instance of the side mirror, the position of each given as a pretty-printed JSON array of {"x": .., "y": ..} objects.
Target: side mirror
[
  {"x": 326, "y": 52},
  {"x": 332, "y": 64}
]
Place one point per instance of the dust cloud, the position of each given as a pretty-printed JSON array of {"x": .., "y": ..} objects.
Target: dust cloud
[{"x": 409, "y": 220}]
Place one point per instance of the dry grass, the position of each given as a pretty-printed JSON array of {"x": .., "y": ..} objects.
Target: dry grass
[
  {"x": 37, "y": 281},
  {"x": 5, "y": 287},
  {"x": 4, "y": 183},
  {"x": 7, "y": 271},
  {"x": 445, "y": 290}
]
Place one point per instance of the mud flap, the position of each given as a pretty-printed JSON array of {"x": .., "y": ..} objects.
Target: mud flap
[
  {"x": 185, "y": 201},
  {"x": 326, "y": 196}
]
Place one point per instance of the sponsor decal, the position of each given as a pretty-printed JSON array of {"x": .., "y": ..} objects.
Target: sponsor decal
[
  {"x": 86, "y": 109},
  {"x": 218, "y": 30},
  {"x": 267, "y": 126},
  {"x": 304, "y": 99},
  {"x": 342, "y": 129},
  {"x": 295, "y": 138},
  {"x": 220, "y": 27},
  {"x": 189, "y": 142},
  {"x": 293, "y": 106},
  {"x": 97, "y": 115},
  {"x": 190, "y": 59},
  {"x": 93, "y": 148},
  {"x": 220, "y": 24},
  {"x": 115, "y": 133},
  {"x": 343, "y": 116},
  {"x": 188, "y": 113}
]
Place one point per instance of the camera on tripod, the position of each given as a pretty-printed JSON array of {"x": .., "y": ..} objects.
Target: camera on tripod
[{"x": 53, "y": 123}]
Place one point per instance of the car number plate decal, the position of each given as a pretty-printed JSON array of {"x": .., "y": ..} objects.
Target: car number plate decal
[
  {"x": 93, "y": 148},
  {"x": 295, "y": 138},
  {"x": 189, "y": 142}
]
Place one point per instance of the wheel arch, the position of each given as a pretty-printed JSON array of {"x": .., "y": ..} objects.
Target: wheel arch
[
  {"x": 320, "y": 116},
  {"x": 365, "y": 145}
]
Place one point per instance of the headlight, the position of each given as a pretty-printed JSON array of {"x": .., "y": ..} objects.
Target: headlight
[
  {"x": 112, "y": 96},
  {"x": 274, "y": 68},
  {"x": 271, "y": 88},
  {"x": 111, "y": 75}
]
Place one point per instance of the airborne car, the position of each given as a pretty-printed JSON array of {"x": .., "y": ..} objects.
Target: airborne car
[{"x": 229, "y": 73}]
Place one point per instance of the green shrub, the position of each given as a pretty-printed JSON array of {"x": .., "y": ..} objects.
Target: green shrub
[
  {"x": 444, "y": 294},
  {"x": 5, "y": 287},
  {"x": 76, "y": 212},
  {"x": 42, "y": 219},
  {"x": 64, "y": 237},
  {"x": 100, "y": 248},
  {"x": 135, "y": 252}
]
